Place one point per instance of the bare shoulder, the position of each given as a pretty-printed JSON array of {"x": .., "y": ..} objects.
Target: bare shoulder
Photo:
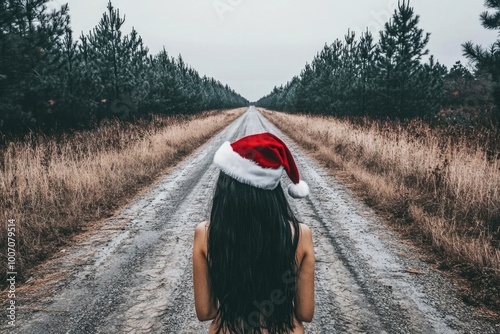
[
  {"x": 305, "y": 234},
  {"x": 305, "y": 247},
  {"x": 200, "y": 236},
  {"x": 305, "y": 229},
  {"x": 202, "y": 227}
]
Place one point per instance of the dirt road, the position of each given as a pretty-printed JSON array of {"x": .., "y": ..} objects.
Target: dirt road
[{"x": 133, "y": 274}]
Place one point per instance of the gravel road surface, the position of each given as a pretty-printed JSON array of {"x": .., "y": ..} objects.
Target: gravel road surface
[{"x": 133, "y": 274}]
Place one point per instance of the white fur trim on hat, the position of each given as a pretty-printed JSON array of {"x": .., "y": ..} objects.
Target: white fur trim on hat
[
  {"x": 246, "y": 171},
  {"x": 299, "y": 190}
]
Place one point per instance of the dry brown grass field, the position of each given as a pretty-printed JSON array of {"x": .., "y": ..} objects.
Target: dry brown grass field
[
  {"x": 54, "y": 188},
  {"x": 442, "y": 191}
]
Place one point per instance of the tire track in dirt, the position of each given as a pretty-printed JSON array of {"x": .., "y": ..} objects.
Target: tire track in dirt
[
  {"x": 184, "y": 298},
  {"x": 139, "y": 279}
]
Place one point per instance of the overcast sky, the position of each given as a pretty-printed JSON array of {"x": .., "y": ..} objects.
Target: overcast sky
[{"x": 254, "y": 45}]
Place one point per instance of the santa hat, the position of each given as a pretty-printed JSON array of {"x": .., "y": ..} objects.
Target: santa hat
[{"x": 259, "y": 160}]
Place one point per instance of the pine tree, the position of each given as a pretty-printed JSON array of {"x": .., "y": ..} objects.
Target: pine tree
[
  {"x": 457, "y": 82},
  {"x": 367, "y": 74},
  {"x": 399, "y": 53},
  {"x": 488, "y": 59},
  {"x": 137, "y": 86},
  {"x": 428, "y": 92},
  {"x": 350, "y": 62},
  {"x": 109, "y": 57},
  {"x": 11, "y": 114},
  {"x": 30, "y": 39},
  {"x": 66, "y": 111},
  {"x": 305, "y": 92}
]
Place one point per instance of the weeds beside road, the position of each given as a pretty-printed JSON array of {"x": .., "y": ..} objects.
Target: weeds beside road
[{"x": 53, "y": 188}]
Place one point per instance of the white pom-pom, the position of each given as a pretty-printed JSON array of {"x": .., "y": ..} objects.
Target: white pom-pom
[{"x": 299, "y": 190}]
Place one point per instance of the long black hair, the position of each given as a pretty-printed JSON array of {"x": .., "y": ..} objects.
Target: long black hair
[{"x": 252, "y": 240}]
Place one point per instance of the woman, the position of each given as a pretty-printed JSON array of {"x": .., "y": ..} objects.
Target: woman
[{"x": 253, "y": 263}]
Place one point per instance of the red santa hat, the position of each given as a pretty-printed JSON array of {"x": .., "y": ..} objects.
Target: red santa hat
[{"x": 259, "y": 160}]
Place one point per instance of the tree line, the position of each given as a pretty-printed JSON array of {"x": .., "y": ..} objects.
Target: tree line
[
  {"x": 49, "y": 80},
  {"x": 394, "y": 77}
]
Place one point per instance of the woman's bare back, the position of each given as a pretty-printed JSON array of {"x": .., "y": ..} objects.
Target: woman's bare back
[{"x": 304, "y": 301}]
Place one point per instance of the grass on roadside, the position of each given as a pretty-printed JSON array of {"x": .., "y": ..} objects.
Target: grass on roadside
[
  {"x": 52, "y": 188},
  {"x": 443, "y": 191}
]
